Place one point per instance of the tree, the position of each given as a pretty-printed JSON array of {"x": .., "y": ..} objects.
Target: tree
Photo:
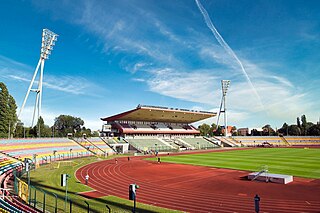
[
  {"x": 45, "y": 130},
  {"x": 314, "y": 130},
  {"x": 218, "y": 131},
  {"x": 304, "y": 124},
  {"x": 19, "y": 133},
  {"x": 65, "y": 124},
  {"x": 204, "y": 129},
  {"x": 255, "y": 132},
  {"x": 95, "y": 134},
  {"x": 284, "y": 129},
  {"x": 298, "y": 122},
  {"x": 234, "y": 131},
  {"x": 8, "y": 108},
  {"x": 294, "y": 130},
  {"x": 268, "y": 131}
]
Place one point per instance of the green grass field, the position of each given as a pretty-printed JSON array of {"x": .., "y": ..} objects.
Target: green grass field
[
  {"x": 290, "y": 161},
  {"x": 48, "y": 178}
]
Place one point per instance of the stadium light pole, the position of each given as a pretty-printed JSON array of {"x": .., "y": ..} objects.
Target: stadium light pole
[
  {"x": 48, "y": 41},
  {"x": 225, "y": 85}
]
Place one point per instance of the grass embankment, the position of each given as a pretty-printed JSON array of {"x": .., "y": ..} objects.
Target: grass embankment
[
  {"x": 291, "y": 161},
  {"x": 48, "y": 179}
]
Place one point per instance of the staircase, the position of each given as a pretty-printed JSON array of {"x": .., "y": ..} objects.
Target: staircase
[
  {"x": 212, "y": 141},
  {"x": 185, "y": 144},
  {"x": 226, "y": 141},
  {"x": 169, "y": 142},
  {"x": 285, "y": 141},
  {"x": 234, "y": 141},
  {"x": 104, "y": 152},
  {"x": 84, "y": 144},
  {"x": 108, "y": 144}
]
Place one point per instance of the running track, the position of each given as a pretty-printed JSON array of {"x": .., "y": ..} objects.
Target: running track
[{"x": 199, "y": 189}]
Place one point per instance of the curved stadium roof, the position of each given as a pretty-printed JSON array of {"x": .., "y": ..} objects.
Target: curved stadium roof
[{"x": 161, "y": 114}]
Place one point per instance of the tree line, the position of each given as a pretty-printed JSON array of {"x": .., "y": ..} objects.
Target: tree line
[
  {"x": 301, "y": 128},
  {"x": 10, "y": 126}
]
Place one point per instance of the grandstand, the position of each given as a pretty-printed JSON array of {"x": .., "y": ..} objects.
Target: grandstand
[
  {"x": 98, "y": 142},
  {"x": 199, "y": 143},
  {"x": 148, "y": 128},
  {"x": 302, "y": 140},
  {"x": 7, "y": 166},
  {"x": 42, "y": 150},
  {"x": 37, "y": 151},
  {"x": 150, "y": 145},
  {"x": 260, "y": 140},
  {"x": 95, "y": 145},
  {"x": 278, "y": 140}
]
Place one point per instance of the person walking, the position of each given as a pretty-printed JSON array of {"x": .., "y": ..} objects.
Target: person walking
[{"x": 87, "y": 179}]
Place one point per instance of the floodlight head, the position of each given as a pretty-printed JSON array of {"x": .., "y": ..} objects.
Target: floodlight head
[
  {"x": 48, "y": 41},
  {"x": 225, "y": 85}
]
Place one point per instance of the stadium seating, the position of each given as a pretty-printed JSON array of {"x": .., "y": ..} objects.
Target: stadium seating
[
  {"x": 45, "y": 148},
  {"x": 14, "y": 201},
  {"x": 8, "y": 207},
  {"x": 227, "y": 141},
  {"x": 161, "y": 126},
  {"x": 174, "y": 143},
  {"x": 3, "y": 210},
  {"x": 260, "y": 140},
  {"x": 156, "y": 128},
  {"x": 100, "y": 143},
  {"x": 114, "y": 140},
  {"x": 14, "y": 151},
  {"x": 199, "y": 143},
  {"x": 278, "y": 141},
  {"x": 7, "y": 165},
  {"x": 303, "y": 140},
  {"x": 150, "y": 145},
  {"x": 88, "y": 145}
]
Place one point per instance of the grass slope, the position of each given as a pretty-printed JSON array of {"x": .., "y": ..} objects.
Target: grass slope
[
  {"x": 290, "y": 161},
  {"x": 48, "y": 179}
]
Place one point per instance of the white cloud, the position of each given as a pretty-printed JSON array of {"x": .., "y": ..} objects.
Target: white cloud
[
  {"x": 138, "y": 79},
  {"x": 192, "y": 86},
  {"x": 93, "y": 124},
  {"x": 47, "y": 115},
  {"x": 159, "y": 56},
  {"x": 13, "y": 70},
  {"x": 217, "y": 54}
]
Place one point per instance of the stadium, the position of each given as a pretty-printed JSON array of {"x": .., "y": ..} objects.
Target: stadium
[
  {"x": 176, "y": 169},
  {"x": 153, "y": 158}
]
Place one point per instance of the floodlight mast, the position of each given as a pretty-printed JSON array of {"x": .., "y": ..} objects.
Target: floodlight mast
[
  {"x": 225, "y": 85},
  {"x": 48, "y": 41}
]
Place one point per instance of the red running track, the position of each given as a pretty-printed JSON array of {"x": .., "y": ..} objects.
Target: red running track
[{"x": 199, "y": 189}]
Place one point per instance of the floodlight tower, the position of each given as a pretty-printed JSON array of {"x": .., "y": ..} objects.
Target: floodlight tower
[
  {"x": 48, "y": 41},
  {"x": 225, "y": 85}
]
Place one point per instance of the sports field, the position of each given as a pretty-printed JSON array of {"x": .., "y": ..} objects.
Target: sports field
[{"x": 291, "y": 161}]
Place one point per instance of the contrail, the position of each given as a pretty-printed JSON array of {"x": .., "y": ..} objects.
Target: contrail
[{"x": 226, "y": 46}]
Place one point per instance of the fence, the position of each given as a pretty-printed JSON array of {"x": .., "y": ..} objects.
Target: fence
[{"x": 46, "y": 201}]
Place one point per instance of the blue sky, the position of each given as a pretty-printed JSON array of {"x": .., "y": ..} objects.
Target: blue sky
[{"x": 113, "y": 55}]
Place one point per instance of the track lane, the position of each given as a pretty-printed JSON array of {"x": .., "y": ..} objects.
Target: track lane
[{"x": 118, "y": 176}]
